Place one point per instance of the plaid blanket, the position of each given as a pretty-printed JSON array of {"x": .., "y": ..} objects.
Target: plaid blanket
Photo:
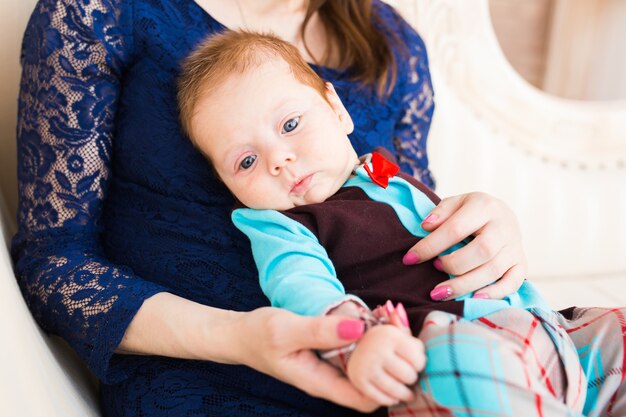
[{"x": 521, "y": 363}]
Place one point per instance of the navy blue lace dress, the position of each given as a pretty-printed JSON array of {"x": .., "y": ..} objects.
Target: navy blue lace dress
[{"x": 116, "y": 205}]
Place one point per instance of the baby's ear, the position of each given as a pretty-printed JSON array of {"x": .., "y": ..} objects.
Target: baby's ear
[{"x": 339, "y": 109}]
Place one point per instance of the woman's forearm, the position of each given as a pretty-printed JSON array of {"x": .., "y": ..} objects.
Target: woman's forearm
[
  {"x": 270, "y": 340},
  {"x": 169, "y": 325}
]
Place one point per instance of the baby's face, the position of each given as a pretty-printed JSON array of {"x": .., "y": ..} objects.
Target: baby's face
[{"x": 274, "y": 141}]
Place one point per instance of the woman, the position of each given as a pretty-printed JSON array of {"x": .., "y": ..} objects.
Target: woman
[{"x": 125, "y": 244}]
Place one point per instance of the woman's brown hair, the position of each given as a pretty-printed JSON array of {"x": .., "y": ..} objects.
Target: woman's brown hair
[{"x": 360, "y": 45}]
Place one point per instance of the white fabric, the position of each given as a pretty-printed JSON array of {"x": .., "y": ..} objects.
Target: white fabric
[{"x": 40, "y": 375}]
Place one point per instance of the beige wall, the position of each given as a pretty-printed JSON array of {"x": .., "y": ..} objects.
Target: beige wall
[
  {"x": 586, "y": 59},
  {"x": 569, "y": 48},
  {"x": 523, "y": 28},
  {"x": 13, "y": 18}
]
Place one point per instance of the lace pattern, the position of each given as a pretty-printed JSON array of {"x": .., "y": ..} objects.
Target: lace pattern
[
  {"x": 418, "y": 104},
  {"x": 66, "y": 120},
  {"x": 67, "y": 108}
]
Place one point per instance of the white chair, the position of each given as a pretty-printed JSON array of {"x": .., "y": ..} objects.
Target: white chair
[
  {"x": 40, "y": 375},
  {"x": 560, "y": 164}
]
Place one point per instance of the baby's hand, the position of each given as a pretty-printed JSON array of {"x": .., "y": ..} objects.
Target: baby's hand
[{"x": 385, "y": 362}]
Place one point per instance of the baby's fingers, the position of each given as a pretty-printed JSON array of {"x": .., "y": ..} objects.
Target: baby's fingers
[
  {"x": 392, "y": 388},
  {"x": 371, "y": 390},
  {"x": 402, "y": 371},
  {"x": 413, "y": 353},
  {"x": 400, "y": 319}
]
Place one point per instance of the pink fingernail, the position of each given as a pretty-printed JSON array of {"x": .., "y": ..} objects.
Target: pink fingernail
[
  {"x": 350, "y": 329},
  {"x": 481, "y": 295},
  {"x": 402, "y": 315},
  {"x": 431, "y": 218},
  {"x": 410, "y": 258},
  {"x": 389, "y": 307},
  {"x": 438, "y": 264},
  {"x": 441, "y": 293}
]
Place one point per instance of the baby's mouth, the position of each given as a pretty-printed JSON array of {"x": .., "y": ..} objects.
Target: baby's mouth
[{"x": 301, "y": 186}]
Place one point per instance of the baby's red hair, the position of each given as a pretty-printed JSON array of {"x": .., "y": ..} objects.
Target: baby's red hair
[{"x": 234, "y": 52}]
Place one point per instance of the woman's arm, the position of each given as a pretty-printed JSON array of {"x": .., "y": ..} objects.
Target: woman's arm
[
  {"x": 72, "y": 60},
  {"x": 417, "y": 107},
  {"x": 270, "y": 340}
]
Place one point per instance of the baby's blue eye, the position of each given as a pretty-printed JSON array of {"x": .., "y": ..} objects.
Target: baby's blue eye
[
  {"x": 290, "y": 125},
  {"x": 247, "y": 162}
]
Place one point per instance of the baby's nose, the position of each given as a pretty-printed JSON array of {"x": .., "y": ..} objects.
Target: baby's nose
[{"x": 280, "y": 160}]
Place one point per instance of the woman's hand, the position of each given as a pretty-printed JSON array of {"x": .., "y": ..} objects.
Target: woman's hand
[
  {"x": 493, "y": 264},
  {"x": 279, "y": 343}
]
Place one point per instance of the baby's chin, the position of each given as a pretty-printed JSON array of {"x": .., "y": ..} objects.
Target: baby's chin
[{"x": 315, "y": 195}]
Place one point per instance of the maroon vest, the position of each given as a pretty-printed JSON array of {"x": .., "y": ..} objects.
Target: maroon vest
[{"x": 366, "y": 241}]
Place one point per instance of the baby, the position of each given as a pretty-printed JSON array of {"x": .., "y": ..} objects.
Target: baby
[{"x": 329, "y": 229}]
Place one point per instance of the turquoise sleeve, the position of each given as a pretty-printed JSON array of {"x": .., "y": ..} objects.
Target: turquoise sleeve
[{"x": 295, "y": 271}]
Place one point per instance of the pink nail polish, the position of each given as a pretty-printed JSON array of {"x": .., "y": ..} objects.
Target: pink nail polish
[
  {"x": 441, "y": 293},
  {"x": 350, "y": 329},
  {"x": 431, "y": 218},
  {"x": 438, "y": 265},
  {"x": 389, "y": 307},
  {"x": 410, "y": 258},
  {"x": 402, "y": 315},
  {"x": 481, "y": 295}
]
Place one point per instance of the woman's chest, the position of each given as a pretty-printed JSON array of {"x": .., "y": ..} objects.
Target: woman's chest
[{"x": 149, "y": 146}]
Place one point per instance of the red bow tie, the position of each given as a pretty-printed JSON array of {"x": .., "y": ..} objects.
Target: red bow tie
[{"x": 382, "y": 170}]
